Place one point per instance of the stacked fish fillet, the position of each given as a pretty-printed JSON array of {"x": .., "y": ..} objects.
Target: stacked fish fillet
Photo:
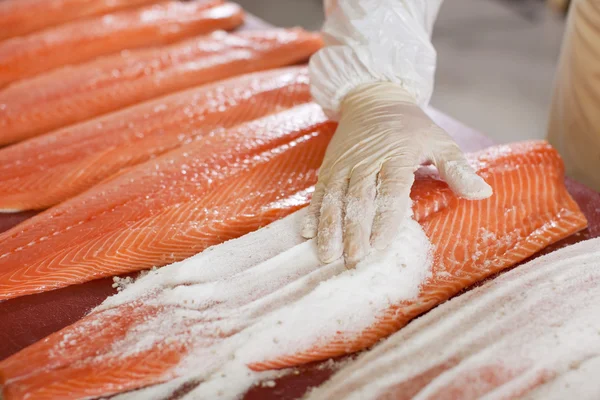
[{"x": 148, "y": 139}]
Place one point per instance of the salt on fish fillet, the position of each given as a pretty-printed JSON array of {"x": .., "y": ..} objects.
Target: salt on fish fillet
[
  {"x": 77, "y": 93},
  {"x": 532, "y": 333},
  {"x": 217, "y": 188},
  {"x": 227, "y": 316},
  {"x": 235, "y": 292},
  {"x": 20, "y": 17},
  {"x": 79, "y": 41},
  {"x": 530, "y": 210},
  {"x": 52, "y": 168}
]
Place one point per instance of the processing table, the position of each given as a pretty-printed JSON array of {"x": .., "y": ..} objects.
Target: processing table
[{"x": 28, "y": 319}]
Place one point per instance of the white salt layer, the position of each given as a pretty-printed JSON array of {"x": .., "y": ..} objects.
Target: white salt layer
[
  {"x": 264, "y": 296},
  {"x": 532, "y": 333}
]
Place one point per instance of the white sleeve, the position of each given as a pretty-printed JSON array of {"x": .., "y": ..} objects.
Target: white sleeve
[{"x": 371, "y": 41}]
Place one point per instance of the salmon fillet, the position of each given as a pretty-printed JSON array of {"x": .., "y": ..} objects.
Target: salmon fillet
[
  {"x": 75, "y": 42},
  {"x": 51, "y": 168},
  {"x": 167, "y": 209},
  {"x": 191, "y": 320},
  {"x": 19, "y": 17},
  {"x": 530, "y": 210},
  {"x": 494, "y": 340},
  {"x": 76, "y": 93}
]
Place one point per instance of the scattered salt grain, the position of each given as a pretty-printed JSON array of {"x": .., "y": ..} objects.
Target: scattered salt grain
[
  {"x": 278, "y": 302},
  {"x": 539, "y": 339},
  {"x": 121, "y": 283}
]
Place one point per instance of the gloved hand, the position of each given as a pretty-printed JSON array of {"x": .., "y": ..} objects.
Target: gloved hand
[{"x": 362, "y": 195}]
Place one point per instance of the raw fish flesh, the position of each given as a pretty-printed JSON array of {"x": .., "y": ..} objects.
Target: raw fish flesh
[
  {"x": 19, "y": 17},
  {"x": 264, "y": 301},
  {"x": 219, "y": 187},
  {"x": 52, "y": 168},
  {"x": 532, "y": 333},
  {"x": 77, "y": 93},
  {"x": 78, "y": 41}
]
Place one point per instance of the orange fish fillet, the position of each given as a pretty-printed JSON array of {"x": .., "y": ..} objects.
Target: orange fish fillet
[
  {"x": 84, "y": 40},
  {"x": 530, "y": 209},
  {"x": 19, "y": 17},
  {"x": 77, "y": 93},
  {"x": 51, "y": 168},
  {"x": 167, "y": 209},
  {"x": 520, "y": 334}
]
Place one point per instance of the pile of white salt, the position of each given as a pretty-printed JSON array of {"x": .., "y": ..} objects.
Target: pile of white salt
[
  {"x": 261, "y": 297},
  {"x": 532, "y": 333}
]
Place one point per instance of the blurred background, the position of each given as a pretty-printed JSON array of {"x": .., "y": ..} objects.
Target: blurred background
[{"x": 496, "y": 58}]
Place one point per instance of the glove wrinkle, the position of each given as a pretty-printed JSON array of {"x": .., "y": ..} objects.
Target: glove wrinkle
[
  {"x": 374, "y": 76},
  {"x": 369, "y": 169}
]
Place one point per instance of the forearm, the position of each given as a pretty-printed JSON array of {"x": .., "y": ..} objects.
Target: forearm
[{"x": 372, "y": 41}]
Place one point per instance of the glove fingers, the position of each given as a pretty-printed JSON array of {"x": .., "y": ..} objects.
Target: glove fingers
[
  {"x": 459, "y": 175},
  {"x": 393, "y": 199},
  {"x": 329, "y": 236},
  {"x": 311, "y": 220},
  {"x": 358, "y": 218}
]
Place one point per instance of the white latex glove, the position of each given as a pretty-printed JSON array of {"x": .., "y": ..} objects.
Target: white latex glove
[
  {"x": 364, "y": 183},
  {"x": 374, "y": 75}
]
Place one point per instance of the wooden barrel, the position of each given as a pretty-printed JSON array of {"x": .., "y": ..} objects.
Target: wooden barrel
[{"x": 574, "y": 125}]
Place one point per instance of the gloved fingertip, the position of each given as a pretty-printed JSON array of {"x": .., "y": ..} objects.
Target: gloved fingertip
[
  {"x": 329, "y": 239},
  {"x": 380, "y": 241},
  {"x": 350, "y": 264},
  {"x": 357, "y": 232},
  {"x": 308, "y": 233},
  {"x": 353, "y": 255},
  {"x": 475, "y": 188},
  {"x": 464, "y": 181},
  {"x": 309, "y": 227},
  {"x": 483, "y": 191},
  {"x": 387, "y": 223},
  {"x": 329, "y": 251},
  {"x": 384, "y": 232},
  {"x": 329, "y": 235},
  {"x": 329, "y": 232}
]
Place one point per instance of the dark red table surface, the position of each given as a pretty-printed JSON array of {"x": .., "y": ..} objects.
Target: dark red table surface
[{"x": 28, "y": 319}]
